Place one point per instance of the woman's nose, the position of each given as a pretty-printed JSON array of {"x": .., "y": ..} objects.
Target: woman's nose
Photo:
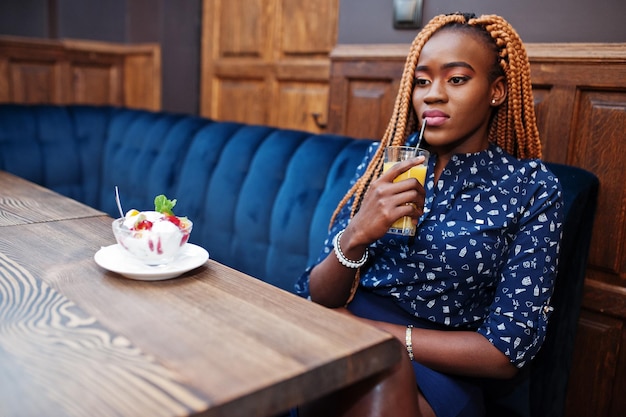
[{"x": 435, "y": 92}]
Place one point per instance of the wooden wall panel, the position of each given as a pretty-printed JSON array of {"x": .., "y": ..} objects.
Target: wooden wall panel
[
  {"x": 599, "y": 365},
  {"x": 142, "y": 79},
  {"x": 543, "y": 95},
  {"x": 242, "y": 31},
  {"x": 580, "y": 101},
  {"x": 242, "y": 100},
  {"x": 34, "y": 82},
  {"x": 375, "y": 99},
  {"x": 96, "y": 84},
  {"x": 284, "y": 45},
  {"x": 598, "y": 144},
  {"x": 618, "y": 399},
  {"x": 5, "y": 94},
  {"x": 296, "y": 100},
  {"x": 542, "y": 111},
  {"x": 307, "y": 27},
  {"x": 555, "y": 136},
  {"x": 363, "y": 87},
  {"x": 80, "y": 72}
]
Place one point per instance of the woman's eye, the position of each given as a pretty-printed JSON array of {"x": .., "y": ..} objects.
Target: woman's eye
[
  {"x": 420, "y": 81},
  {"x": 458, "y": 79}
]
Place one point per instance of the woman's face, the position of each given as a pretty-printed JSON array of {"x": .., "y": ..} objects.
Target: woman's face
[{"x": 453, "y": 93}]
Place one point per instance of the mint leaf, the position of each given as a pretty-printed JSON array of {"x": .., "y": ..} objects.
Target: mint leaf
[{"x": 163, "y": 205}]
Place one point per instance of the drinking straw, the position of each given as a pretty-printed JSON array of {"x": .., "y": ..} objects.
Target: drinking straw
[{"x": 421, "y": 136}]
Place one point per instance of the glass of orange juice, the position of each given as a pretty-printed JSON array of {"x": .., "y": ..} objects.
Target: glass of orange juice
[{"x": 394, "y": 154}]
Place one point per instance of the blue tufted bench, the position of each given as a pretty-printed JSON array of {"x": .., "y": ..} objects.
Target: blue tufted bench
[{"x": 261, "y": 199}]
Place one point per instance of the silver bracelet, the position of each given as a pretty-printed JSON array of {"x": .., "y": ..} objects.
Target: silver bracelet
[{"x": 342, "y": 258}]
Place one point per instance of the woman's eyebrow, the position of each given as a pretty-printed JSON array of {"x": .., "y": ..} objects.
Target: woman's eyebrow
[
  {"x": 447, "y": 65},
  {"x": 462, "y": 64}
]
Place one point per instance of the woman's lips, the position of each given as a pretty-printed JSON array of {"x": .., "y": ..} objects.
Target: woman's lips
[
  {"x": 434, "y": 118},
  {"x": 435, "y": 121}
]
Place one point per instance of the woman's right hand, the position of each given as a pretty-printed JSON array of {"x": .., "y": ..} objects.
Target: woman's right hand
[
  {"x": 330, "y": 282},
  {"x": 385, "y": 202}
]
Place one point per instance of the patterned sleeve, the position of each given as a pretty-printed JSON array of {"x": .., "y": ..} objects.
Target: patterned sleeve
[
  {"x": 302, "y": 285},
  {"x": 519, "y": 314}
]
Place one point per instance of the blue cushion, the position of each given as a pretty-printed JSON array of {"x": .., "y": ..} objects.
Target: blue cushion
[{"x": 58, "y": 147}]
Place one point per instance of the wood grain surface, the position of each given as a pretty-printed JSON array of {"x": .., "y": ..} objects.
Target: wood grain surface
[
  {"x": 23, "y": 202},
  {"x": 78, "y": 340},
  {"x": 56, "y": 358}
]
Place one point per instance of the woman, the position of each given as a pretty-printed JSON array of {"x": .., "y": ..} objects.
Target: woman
[{"x": 469, "y": 294}]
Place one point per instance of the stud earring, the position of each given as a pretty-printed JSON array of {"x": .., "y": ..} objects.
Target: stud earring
[{"x": 493, "y": 101}]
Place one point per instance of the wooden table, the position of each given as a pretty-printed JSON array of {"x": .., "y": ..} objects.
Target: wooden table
[
  {"x": 77, "y": 340},
  {"x": 23, "y": 202}
]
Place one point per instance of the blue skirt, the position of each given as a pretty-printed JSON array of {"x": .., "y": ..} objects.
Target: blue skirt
[{"x": 449, "y": 396}]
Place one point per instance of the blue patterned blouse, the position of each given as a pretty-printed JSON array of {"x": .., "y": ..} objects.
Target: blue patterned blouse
[{"x": 485, "y": 253}]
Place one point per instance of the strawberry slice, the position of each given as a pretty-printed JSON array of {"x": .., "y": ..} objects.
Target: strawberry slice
[
  {"x": 143, "y": 225},
  {"x": 173, "y": 219}
]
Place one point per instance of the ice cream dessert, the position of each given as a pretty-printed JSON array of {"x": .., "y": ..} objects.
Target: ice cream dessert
[{"x": 153, "y": 237}]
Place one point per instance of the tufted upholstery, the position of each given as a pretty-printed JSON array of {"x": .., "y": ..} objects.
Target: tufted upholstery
[{"x": 261, "y": 199}]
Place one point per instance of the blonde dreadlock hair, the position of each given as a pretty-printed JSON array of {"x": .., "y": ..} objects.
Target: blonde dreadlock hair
[{"x": 513, "y": 127}]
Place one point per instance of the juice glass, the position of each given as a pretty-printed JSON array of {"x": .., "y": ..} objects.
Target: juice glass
[{"x": 394, "y": 154}]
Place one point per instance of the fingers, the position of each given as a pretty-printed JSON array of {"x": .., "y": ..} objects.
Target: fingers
[
  {"x": 401, "y": 167},
  {"x": 386, "y": 201},
  {"x": 408, "y": 191},
  {"x": 412, "y": 209}
]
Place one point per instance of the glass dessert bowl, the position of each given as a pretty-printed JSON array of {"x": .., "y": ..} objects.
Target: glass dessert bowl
[{"x": 152, "y": 237}]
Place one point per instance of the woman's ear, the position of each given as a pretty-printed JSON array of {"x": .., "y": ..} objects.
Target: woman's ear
[{"x": 498, "y": 91}]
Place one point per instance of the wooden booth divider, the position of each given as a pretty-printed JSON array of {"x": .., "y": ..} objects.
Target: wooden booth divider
[{"x": 79, "y": 72}]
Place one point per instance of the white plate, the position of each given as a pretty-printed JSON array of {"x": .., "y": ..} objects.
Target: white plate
[{"x": 115, "y": 259}]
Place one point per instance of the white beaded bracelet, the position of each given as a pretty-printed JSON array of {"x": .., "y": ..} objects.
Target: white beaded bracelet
[
  {"x": 342, "y": 258},
  {"x": 408, "y": 341}
]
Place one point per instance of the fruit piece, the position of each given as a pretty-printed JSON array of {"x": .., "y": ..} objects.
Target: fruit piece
[
  {"x": 184, "y": 222},
  {"x": 132, "y": 212},
  {"x": 143, "y": 225},
  {"x": 173, "y": 219}
]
